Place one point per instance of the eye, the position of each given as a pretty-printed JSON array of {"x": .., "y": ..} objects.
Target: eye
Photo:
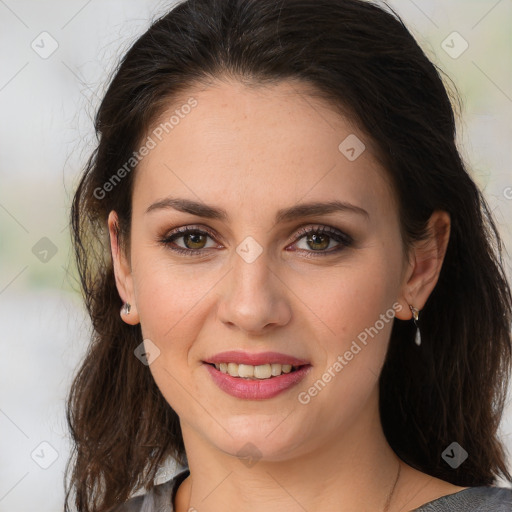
[
  {"x": 319, "y": 239},
  {"x": 194, "y": 240}
]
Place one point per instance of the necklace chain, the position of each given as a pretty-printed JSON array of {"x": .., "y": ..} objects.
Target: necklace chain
[{"x": 390, "y": 495}]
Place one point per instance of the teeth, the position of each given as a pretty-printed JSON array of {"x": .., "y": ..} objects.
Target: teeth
[
  {"x": 248, "y": 371},
  {"x": 233, "y": 369},
  {"x": 263, "y": 371},
  {"x": 275, "y": 369},
  {"x": 244, "y": 370}
]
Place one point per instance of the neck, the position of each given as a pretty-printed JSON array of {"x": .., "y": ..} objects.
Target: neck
[{"x": 355, "y": 470}]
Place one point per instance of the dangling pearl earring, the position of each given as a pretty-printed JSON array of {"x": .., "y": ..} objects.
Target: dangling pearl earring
[
  {"x": 126, "y": 308},
  {"x": 415, "y": 316}
]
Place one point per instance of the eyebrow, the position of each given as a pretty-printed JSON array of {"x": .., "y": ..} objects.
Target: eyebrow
[{"x": 284, "y": 215}]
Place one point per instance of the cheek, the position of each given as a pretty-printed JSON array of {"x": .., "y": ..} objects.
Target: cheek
[
  {"x": 169, "y": 298},
  {"x": 351, "y": 298},
  {"x": 356, "y": 309},
  {"x": 171, "y": 303},
  {"x": 355, "y": 303}
]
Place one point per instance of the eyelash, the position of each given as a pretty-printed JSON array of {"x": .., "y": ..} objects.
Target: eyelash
[{"x": 344, "y": 239}]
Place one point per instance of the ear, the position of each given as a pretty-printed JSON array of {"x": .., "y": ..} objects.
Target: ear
[
  {"x": 122, "y": 271},
  {"x": 424, "y": 265}
]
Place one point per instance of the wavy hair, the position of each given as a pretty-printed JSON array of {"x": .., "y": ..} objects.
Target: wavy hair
[{"x": 361, "y": 58}]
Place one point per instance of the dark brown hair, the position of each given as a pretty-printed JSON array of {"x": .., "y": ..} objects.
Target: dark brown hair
[{"x": 362, "y": 59}]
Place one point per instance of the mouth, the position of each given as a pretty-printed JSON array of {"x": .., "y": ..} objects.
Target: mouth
[
  {"x": 255, "y": 372},
  {"x": 250, "y": 382}
]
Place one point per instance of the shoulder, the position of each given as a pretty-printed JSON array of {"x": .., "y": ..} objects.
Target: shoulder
[
  {"x": 159, "y": 498},
  {"x": 472, "y": 499}
]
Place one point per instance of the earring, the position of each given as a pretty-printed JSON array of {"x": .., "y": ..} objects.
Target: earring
[
  {"x": 126, "y": 308},
  {"x": 415, "y": 316}
]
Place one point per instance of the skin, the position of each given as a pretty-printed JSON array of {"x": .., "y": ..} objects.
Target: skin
[{"x": 253, "y": 151}]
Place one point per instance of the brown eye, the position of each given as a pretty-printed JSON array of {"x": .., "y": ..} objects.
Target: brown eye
[
  {"x": 322, "y": 240},
  {"x": 318, "y": 241},
  {"x": 193, "y": 242}
]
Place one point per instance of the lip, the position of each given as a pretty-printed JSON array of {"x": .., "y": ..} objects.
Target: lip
[
  {"x": 255, "y": 389},
  {"x": 239, "y": 357}
]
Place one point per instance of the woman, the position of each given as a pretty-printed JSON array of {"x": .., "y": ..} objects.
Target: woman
[{"x": 296, "y": 288}]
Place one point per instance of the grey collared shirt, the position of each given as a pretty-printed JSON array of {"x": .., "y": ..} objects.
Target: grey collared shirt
[{"x": 474, "y": 499}]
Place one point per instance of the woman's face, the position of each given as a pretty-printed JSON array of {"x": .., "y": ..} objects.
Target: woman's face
[{"x": 256, "y": 279}]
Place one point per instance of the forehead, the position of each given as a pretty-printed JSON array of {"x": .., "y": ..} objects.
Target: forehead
[{"x": 259, "y": 146}]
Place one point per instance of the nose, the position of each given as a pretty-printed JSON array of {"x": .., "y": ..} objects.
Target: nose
[{"x": 253, "y": 298}]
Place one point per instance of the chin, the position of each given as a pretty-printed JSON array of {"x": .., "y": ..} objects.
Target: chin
[{"x": 254, "y": 441}]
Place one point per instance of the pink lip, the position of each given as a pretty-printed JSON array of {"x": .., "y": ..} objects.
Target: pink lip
[
  {"x": 255, "y": 389},
  {"x": 238, "y": 357}
]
